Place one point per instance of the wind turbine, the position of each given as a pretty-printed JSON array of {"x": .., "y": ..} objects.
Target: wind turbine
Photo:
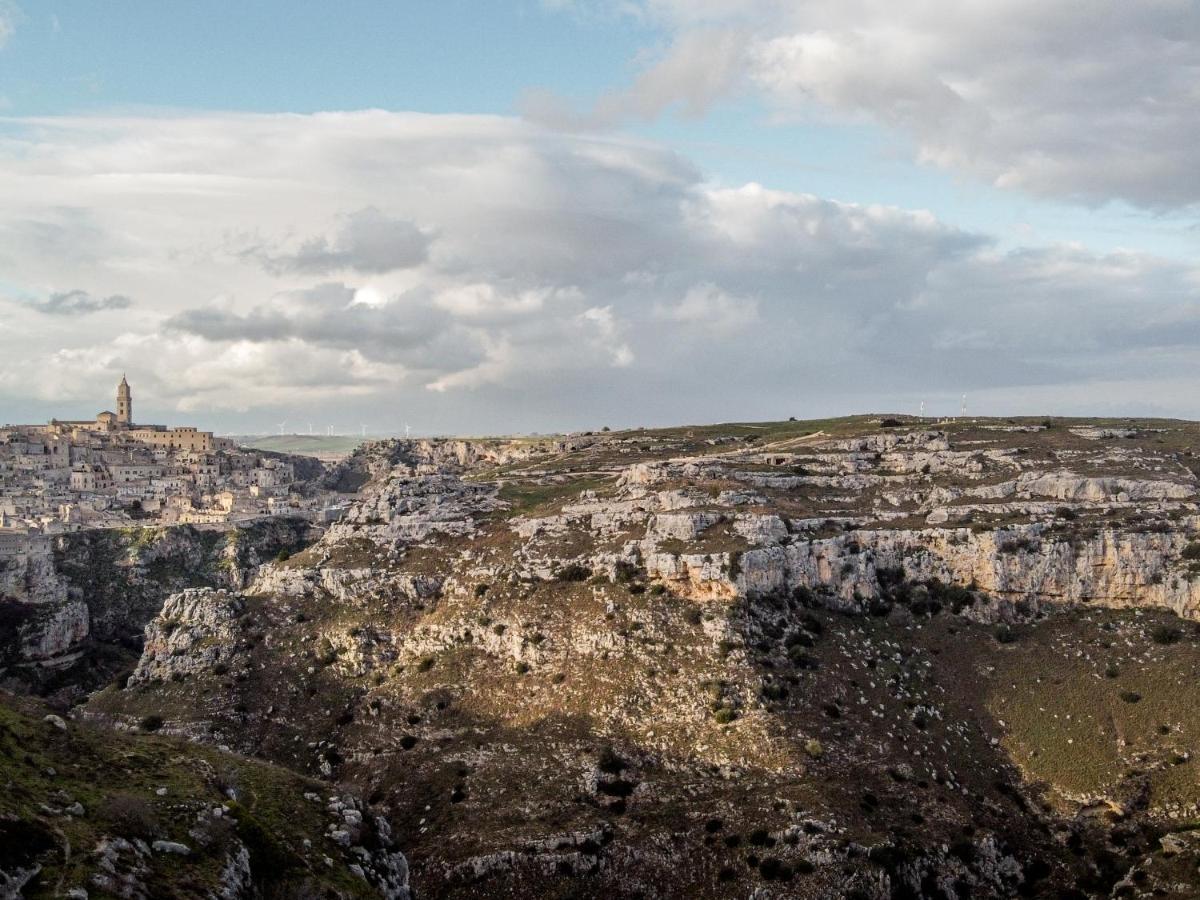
[
  {"x": 281, "y": 424},
  {"x": 407, "y": 430},
  {"x": 310, "y": 428},
  {"x": 964, "y": 406},
  {"x": 364, "y": 430},
  {"x": 922, "y": 413}
]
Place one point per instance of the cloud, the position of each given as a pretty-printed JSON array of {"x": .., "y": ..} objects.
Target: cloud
[
  {"x": 559, "y": 278},
  {"x": 707, "y": 306},
  {"x": 698, "y": 69},
  {"x": 10, "y": 15},
  {"x": 366, "y": 241},
  {"x": 1086, "y": 102},
  {"x": 79, "y": 303}
]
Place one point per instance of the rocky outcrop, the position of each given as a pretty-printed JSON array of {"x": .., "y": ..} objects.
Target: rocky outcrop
[
  {"x": 410, "y": 506},
  {"x": 196, "y": 631},
  {"x": 86, "y": 596}
]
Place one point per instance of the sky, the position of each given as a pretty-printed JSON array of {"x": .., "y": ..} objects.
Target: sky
[{"x": 544, "y": 215}]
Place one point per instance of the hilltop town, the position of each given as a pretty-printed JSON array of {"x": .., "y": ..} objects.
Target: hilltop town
[{"x": 111, "y": 472}]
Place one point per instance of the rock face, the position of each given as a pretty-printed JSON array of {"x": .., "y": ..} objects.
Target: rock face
[
  {"x": 195, "y": 631},
  {"x": 79, "y": 604},
  {"x": 561, "y": 667}
]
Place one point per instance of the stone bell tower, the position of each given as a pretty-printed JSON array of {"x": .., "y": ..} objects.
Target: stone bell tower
[{"x": 124, "y": 403}]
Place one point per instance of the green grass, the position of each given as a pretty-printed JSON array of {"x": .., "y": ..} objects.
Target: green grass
[
  {"x": 1070, "y": 713},
  {"x": 45, "y": 769},
  {"x": 302, "y": 444},
  {"x": 528, "y": 497}
]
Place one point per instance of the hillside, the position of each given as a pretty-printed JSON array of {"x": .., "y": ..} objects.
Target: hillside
[
  {"x": 87, "y": 812},
  {"x": 843, "y": 658},
  {"x": 327, "y": 447}
]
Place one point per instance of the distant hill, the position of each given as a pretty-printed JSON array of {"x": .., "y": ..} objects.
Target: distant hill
[{"x": 319, "y": 445}]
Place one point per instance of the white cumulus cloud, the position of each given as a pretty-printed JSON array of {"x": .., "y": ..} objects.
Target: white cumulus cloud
[{"x": 506, "y": 277}]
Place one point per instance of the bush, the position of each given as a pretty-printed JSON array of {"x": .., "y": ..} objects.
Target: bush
[
  {"x": 1192, "y": 551},
  {"x": 14, "y": 614},
  {"x": 1165, "y": 634},
  {"x": 800, "y": 659},
  {"x": 1004, "y": 634},
  {"x": 283, "y": 555},
  {"x": 760, "y": 837},
  {"x": 609, "y": 762},
  {"x": 724, "y": 715},
  {"x": 269, "y": 857},
  {"x": 573, "y": 572},
  {"x": 129, "y": 816},
  {"x": 1130, "y": 696},
  {"x": 624, "y": 572},
  {"x": 151, "y": 723}
]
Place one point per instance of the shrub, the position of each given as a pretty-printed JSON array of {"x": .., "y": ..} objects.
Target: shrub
[
  {"x": 1165, "y": 634},
  {"x": 803, "y": 595},
  {"x": 1004, "y": 634},
  {"x": 1130, "y": 696},
  {"x": 618, "y": 787},
  {"x": 283, "y": 555},
  {"x": 573, "y": 572},
  {"x": 760, "y": 837},
  {"x": 129, "y": 816},
  {"x": 724, "y": 715},
  {"x": 890, "y": 423},
  {"x": 1192, "y": 551},
  {"x": 1017, "y": 545},
  {"x": 800, "y": 659},
  {"x": 609, "y": 762},
  {"x": 151, "y": 723},
  {"x": 624, "y": 572},
  {"x": 774, "y": 692},
  {"x": 481, "y": 589},
  {"x": 268, "y": 855},
  {"x": 774, "y": 869}
]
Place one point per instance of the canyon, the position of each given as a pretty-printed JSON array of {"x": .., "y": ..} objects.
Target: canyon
[{"x": 864, "y": 657}]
